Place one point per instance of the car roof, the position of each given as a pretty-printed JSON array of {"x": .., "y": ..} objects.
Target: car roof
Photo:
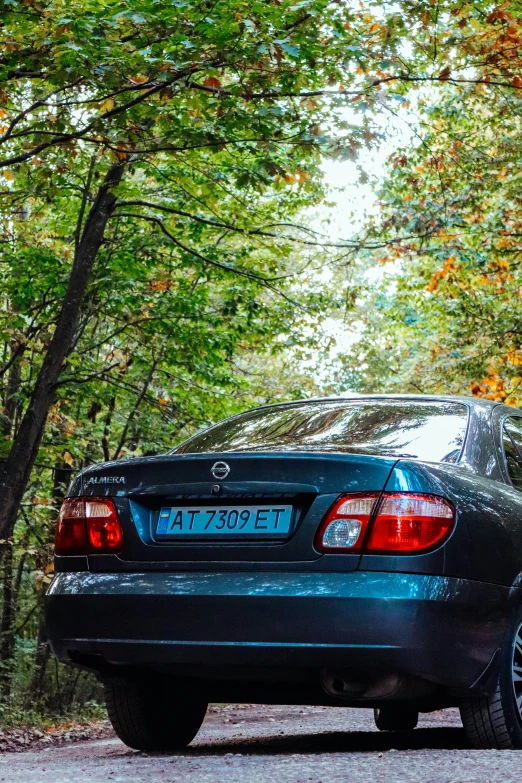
[
  {"x": 475, "y": 402},
  {"x": 478, "y": 408}
]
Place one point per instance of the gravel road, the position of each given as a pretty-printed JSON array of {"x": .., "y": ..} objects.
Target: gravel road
[{"x": 251, "y": 744}]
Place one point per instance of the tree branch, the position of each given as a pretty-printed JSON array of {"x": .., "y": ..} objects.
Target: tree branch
[
  {"x": 229, "y": 226},
  {"x": 265, "y": 281}
]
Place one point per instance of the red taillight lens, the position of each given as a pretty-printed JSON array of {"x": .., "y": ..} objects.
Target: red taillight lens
[
  {"x": 344, "y": 527},
  {"x": 104, "y": 531},
  {"x": 70, "y": 528},
  {"x": 88, "y": 526},
  {"x": 411, "y": 523}
]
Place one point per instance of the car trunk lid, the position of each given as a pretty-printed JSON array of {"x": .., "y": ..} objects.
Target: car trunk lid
[{"x": 307, "y": 482}]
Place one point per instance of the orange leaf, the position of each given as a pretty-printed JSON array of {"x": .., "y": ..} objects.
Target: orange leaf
[
  {"x": 211, "y": 81},
  {"x": 517, "y": 82}
]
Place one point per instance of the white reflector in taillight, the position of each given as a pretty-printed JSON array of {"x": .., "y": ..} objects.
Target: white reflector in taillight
[{"x": 344, "y": 527}]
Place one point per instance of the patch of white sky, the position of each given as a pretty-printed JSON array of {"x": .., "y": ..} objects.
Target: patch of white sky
[
  {"x": 352, "y": 199},
  {"x": 352, "y": 190},
  {"x": 352, "y": 202}
]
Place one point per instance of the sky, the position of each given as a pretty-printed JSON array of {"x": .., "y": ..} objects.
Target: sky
[
  {"x": 353, "y": 199},
  {"x": 353, "y": 202}
]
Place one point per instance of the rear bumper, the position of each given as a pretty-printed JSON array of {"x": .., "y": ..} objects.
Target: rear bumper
[{"x": 441, "y": 629}]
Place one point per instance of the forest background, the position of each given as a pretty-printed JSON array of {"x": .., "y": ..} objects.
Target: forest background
[{"x": 165, "y": 253}]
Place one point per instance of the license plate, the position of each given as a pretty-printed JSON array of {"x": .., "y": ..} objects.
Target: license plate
[{"x": 269, "y": 521}]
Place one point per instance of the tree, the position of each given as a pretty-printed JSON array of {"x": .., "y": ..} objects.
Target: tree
[{"x": 445, "y": 317}]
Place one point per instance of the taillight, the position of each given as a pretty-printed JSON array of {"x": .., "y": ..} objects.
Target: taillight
[
  {"x": 70, "y": 528},
  {"x": 403, "y": 523},
  {"x": 88, "y": 526},
  {"x": 408, "y": 523},
  {"x": 344, "y": 527},
  {"x": 104, "y": 533}
]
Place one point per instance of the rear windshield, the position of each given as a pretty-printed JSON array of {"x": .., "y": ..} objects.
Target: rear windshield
[{"x": 432, "y": 431}]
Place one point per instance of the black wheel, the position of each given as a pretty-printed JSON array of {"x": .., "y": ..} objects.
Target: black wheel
[
  {"x": 396, "y": 717},
  {"x": 496, "y": 721},
  {"x": 148, "y": 715}
]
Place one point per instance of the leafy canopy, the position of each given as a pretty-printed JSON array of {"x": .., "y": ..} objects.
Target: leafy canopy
[{"x": 446, "y": 315}]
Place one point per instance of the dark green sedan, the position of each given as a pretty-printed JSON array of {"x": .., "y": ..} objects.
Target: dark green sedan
[{"x": 357, "y": 551}]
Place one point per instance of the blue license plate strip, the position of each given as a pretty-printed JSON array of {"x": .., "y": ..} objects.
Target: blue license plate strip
[{"x": 270, "y": 521}]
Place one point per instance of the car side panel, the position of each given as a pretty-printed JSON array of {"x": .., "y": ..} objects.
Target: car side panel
[{"x": 487, "y": 542}]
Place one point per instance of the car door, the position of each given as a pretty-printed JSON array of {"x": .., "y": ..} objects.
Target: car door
[
  {"x": 487, "y": 545},
  {"x": 512, "y": 449}
]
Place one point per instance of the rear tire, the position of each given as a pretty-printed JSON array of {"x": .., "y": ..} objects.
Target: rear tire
[
  {"x": 396, "y": 717},
  {"x": 150, "y": 715},
  {"x": 495, "y": 722}
]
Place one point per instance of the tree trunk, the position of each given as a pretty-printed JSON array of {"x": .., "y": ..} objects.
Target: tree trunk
[
  {"x": 107, "y": 428},
  {"x": 11, "y": 396},
  {"x": 144, "y": 389},
  {"x": 17, "y": 468},
  {"x": 41, "y": 659},
  {"x": 6, "y": 626},
  {"x": 61, "y": 478}
]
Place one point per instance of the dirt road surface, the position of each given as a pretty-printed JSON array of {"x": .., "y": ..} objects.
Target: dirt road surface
[{"x": 251, "y": 744}]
